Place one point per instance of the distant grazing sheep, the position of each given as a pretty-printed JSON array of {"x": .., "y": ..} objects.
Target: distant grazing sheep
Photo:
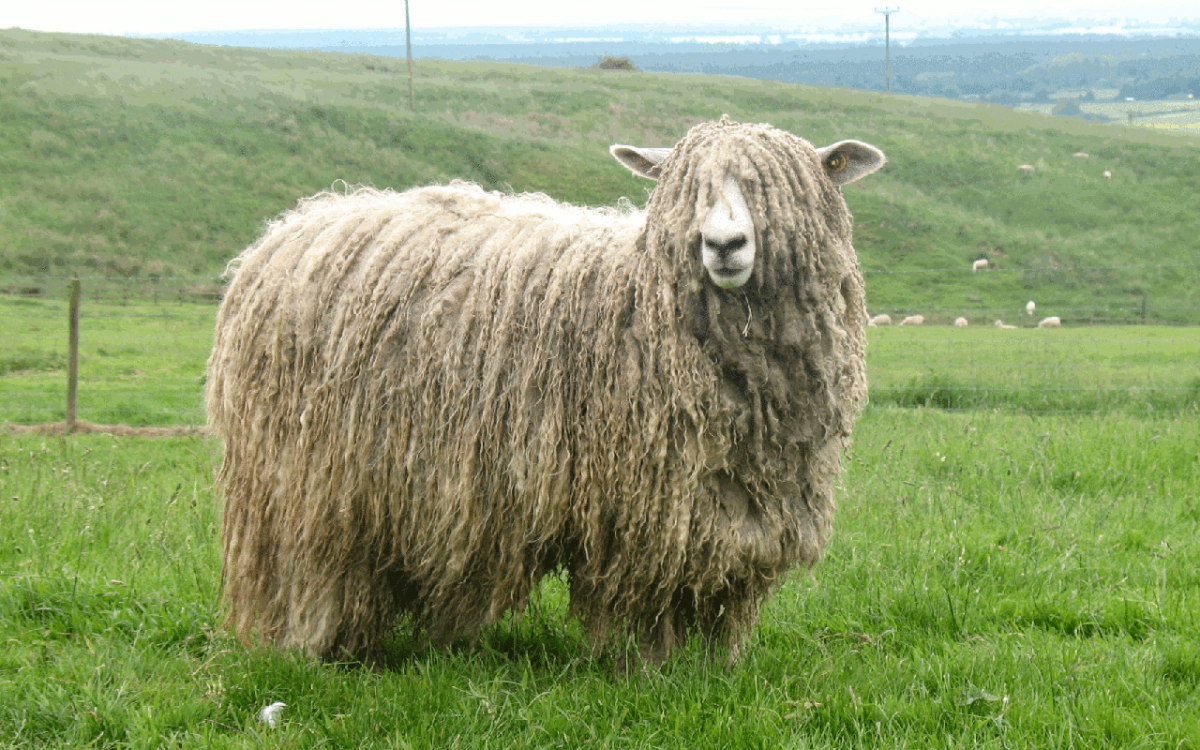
[
  {"x": 1107, "y": 175},
  {"x": 1051, "y": 322},
  {"x": 913, "y": 320},
  {"x": 981, "y": 263},
  {"x": 1002, "y": 324},
  {"x": 432, "y": 399},
  {"x": 961, "y": 323},
  {"x": 882, "y": 320},
  {"x": 1030, "y": 307},
  {"x": 1080, "y": 154},
  {"x": 1026, "y": 168}
]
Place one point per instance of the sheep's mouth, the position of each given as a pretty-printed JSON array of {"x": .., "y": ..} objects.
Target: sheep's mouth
[
  {"x": 728, "y": 263},
  {"x": 729, "y": 276}
]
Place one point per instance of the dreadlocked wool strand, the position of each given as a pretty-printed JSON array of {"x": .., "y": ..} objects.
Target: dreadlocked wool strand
[{"x": 432, "y": 399}]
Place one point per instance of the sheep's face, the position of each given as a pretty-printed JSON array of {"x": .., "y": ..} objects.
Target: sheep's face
[
  {"x": 728, "y": 241},
  {"x": 727, "y": 238}
]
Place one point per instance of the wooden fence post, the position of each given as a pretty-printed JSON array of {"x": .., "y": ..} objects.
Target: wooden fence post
[{"x": 73, "y": 356}]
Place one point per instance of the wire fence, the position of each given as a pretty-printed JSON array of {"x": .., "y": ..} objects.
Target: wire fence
[{"x": 144, "y": 344}]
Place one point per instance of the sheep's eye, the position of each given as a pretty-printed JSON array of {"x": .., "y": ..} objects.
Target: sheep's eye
[{"x": 836, "y": 163}]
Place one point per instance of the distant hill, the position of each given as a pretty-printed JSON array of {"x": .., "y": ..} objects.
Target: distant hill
[
  {"x": 1022, "y": 66},
  {"x": 146, "y": 158}
]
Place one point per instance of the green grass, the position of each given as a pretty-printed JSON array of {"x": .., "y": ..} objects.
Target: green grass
[
  {"x": 146, "y": 159},
  {"x": 1003, "y": 574},
  {"x": 995, "y": 580},
  {"x": 139, "y": 364},
  {"x": 1095, "y": 369}
]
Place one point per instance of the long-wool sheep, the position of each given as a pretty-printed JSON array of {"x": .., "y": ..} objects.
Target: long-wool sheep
[{"x": 432, "y": 399}]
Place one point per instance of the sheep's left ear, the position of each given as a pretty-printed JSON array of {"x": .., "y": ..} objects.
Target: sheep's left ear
[
  {"x": 643, "y": 162},
  {"x": 847, "y": 161}
]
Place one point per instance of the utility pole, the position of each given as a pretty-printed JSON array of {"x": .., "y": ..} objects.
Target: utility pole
[
  {"x": 408, "y": 47},
  {"x": 887, "y": 40}
]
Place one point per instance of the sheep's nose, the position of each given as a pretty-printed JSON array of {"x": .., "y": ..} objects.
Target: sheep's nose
[{"x": 726, "y": 246}]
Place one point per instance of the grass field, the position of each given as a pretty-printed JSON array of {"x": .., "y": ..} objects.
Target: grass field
[
  {"x": 1016, "y": 556},
  {"x": 1178, "y": 115},
  {"x": 139, "y": 364},
  {"x": 996, "y": 580}
]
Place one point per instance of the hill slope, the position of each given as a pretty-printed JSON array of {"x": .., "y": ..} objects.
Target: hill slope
[{"x": 142, "y": 158}]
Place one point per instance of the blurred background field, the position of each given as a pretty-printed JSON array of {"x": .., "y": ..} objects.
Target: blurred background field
[{"x": 1182, "y": 115}]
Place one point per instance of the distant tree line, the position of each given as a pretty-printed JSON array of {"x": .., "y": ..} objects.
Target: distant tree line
[{"x": 1002, "y": 72}]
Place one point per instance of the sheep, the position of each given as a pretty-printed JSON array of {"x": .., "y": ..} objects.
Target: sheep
[
  {"x": 1107, "y": 175},
  {"x": 1080, "y": 154},
  {"x": 981, "y": 263},
  {"x": 1002, "y": 324},
  {"x": 1030, "y": 307},
  {"x": 961, "y": 323},
  {"x": 1025, "y": 168},
  {"x": 1051, "y": 322},
  {"x": 881, "y": 320},
  {"x": 913, "y": 320},
  {"x": 432, "y": 399}
]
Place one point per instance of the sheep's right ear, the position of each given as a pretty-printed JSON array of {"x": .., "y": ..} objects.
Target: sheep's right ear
[
  {"x": 643, "y": 162},
  {"x": 847, "y": 161}
]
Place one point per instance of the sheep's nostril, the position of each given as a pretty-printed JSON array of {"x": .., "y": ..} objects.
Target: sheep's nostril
[{"x": 731, "y": 245}]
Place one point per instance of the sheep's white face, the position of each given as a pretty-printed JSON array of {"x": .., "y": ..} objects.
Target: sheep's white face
[{"x": 727, "y": 238}]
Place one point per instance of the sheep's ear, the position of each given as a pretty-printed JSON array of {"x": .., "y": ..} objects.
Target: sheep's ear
[
  {"x": 847, "y": 161},
  {"x": 643, "y": 162}
]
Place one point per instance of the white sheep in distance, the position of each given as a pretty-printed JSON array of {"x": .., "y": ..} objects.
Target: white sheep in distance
[
  {"x": 1051, "y": 322},
  {"x": 1025, "y": 169},
  {"x": 1107, "y": 175},
  {"x": 432, "y": 399},
  {"x": 1030, "y": 307},
  {"x": 981, "y": 263},
  {"x": 882, "y": 320},
  {"x": 961, "y": 323},
  {"x": 1002, "y": 324},
  {"x": 913, "y": 320}
]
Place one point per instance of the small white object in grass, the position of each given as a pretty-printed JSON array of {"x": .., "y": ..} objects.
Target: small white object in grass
[{"x": 270, "y": 714}]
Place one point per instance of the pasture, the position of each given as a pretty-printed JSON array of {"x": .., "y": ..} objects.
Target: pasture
[
  {"x": 1008, "y": 572},
  {"x": 1179, "y": 115},
  {"x": 1015, "y": 561}
]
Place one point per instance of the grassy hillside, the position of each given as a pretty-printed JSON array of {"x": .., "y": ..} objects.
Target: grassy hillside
[{"x": 143, "y": 158}]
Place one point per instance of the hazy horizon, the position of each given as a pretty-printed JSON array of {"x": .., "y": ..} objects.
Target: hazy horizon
[{"x": 922, "y": 17}]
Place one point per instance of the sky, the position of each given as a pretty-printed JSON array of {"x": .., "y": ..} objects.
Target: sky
[{"x": 128, "y": 16}]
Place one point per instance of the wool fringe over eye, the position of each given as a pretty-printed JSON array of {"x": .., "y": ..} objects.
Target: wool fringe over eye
[{"x": 432, "y": 399}]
